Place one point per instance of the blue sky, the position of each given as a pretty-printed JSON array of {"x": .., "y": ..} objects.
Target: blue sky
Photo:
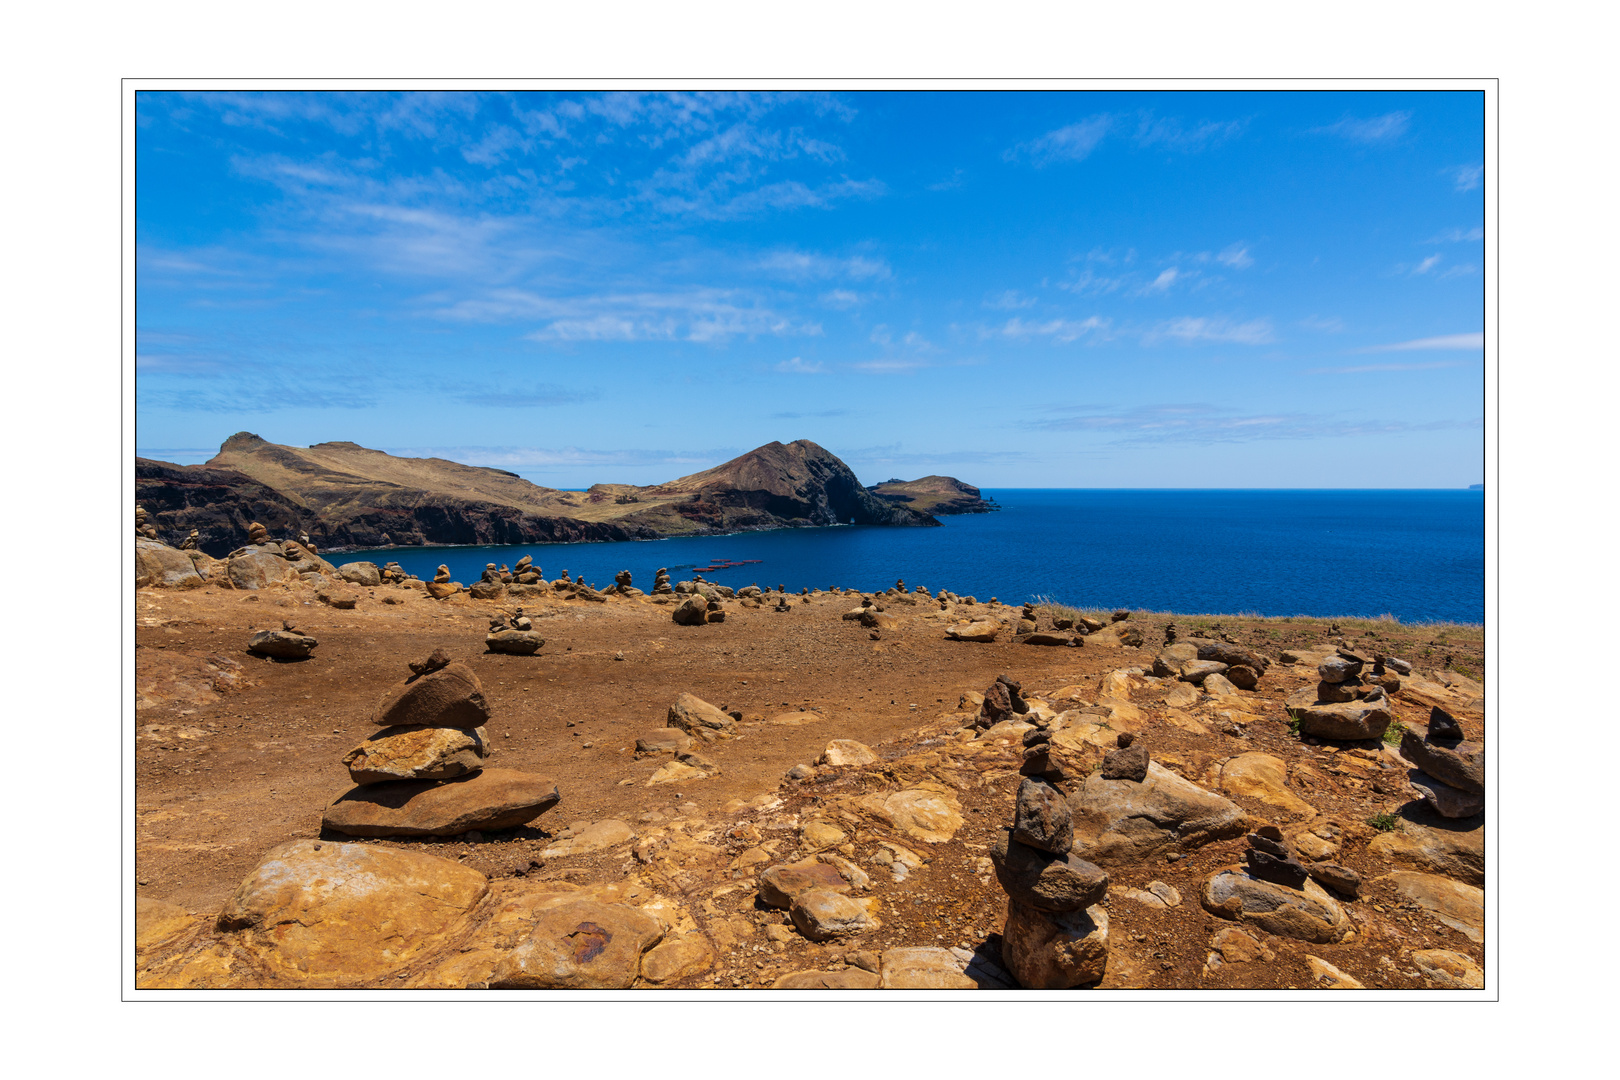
[{"x": 1080, "y": 289}]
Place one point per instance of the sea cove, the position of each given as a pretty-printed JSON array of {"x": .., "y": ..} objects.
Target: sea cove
[{"x": 1416, "y": 554}]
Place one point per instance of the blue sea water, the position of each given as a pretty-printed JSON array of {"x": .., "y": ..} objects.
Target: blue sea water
[{"x": 1417, "y": 555}]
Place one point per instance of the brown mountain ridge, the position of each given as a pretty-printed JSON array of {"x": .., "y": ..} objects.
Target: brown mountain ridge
[{"x": 348, "y": 496}]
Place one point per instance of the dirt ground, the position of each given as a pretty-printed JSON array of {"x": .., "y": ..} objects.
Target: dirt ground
[{"x": 235, "y": 754}]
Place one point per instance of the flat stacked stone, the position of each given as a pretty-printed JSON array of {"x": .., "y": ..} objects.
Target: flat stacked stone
[
  {"x": 288, "y": 643},
  {"x": 1450, "y": 773},
  {"x": 1345, "y": 707},
  {"x": 423, "y": 774},
  {"x": 661, "y": 585},
  {"x": 514, "y": 636},
  {"x": 1056, "y": 934}
]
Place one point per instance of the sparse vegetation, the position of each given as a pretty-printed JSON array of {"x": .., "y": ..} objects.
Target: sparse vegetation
[
  {"x": 1393, "y": 733},
  {"x": 1385, "y": 822}
]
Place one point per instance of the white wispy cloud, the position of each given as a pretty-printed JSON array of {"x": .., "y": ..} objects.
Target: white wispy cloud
[
  {"x": 1465, "y": 177},
  {"x": 1457, "y": 236},
  {"x": 1074, "y": 142},
  {"x": 840, "y": 298},
  {"x": 1009, "y": 300},
  {"x": 700, "y": 315},
  {"x": 1169, "y": 133},
  {"x": 1190, "y": 329},
  {"x": 1427, "y": 264},
  {"x": 1361, "y": 369},
  {"x": 810, "y": 265},
  {"x": 1058, "y": 330},
  {"x": 1373, "y": 129},
  {"x": 1200, "y": 423},
  {"x": 1330, "y": 324},
  {"x": 1236, "y": 256},
  {"x": 895, "y": 365},
  {"x": 1475, "y": 341},
  {"x": 1163, "y": 282},
  {"x": 800, "y": 366}
]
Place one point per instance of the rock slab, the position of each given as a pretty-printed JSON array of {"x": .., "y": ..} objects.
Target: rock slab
[{"x": 487, "y": 800}]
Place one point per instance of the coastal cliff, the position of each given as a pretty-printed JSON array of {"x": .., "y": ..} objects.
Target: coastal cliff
[
  {"x": 934, "y": 495},
  {"x": 348, "y": 496}
]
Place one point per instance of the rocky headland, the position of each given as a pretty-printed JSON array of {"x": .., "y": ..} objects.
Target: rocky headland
[
  {"x": 825, "y": 790},
  {"x": 935, "y": 495},
  {"x": 344, "y": 496}
]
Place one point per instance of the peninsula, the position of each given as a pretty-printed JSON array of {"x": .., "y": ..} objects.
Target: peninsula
[{"x": 343, "y": 495}]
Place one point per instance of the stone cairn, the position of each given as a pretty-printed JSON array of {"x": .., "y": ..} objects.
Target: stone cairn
[
  {"x": 661, "y": 585},
  {"x": 1345, "y": 706},
  {"x": 142, "y": 528},
  {"x": 1450, "y": 773},
  {"x": 514, "y": 636},
  {"x": 1056, "y": 934},
  {"x": 442, "y": 574},
  {"x": 622, "y": 586},
  {"x": 423, "y": 774},
  {"x": 288, "y": 643},
  {"x": 526, "y": 573},
  {"x": 257, "y": 534}
]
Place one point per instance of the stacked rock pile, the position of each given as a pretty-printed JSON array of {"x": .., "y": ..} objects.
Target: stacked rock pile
[
  {"x": 513, "y": 636},
  {"x": 1056, "y": 934},
  {"x": 622, "y": 586},
  {"x": 288, "y": 643},
  {"x": 142, "y": 528},
  {"x": 1450, "y": 773},
  {"x": 1344, "y": 707},
  {"x": 525, "y": 572},
  {"x": 1002, "y": 701},
  {"x": 257, "y": 534},
  {"x": 1279, "y": 893},
  {"x": 190, "y": 542},
  {"x": 441, "y": 586},
  {"x": 423, "y": 774},
  {"x": 661, "y": 585}
]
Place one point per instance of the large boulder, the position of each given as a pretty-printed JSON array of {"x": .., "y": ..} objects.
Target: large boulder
[
  {"x": 514, "y": 642},
  {"x": 1307, "y": 913},
  {"x": 417, "y": 753},
  {"x": 452, "y": 696},
  {"x": 1048, "y": 950},
  {"x": 699, "y": 719},
  {"x": 1123, "y": 821},
  {"x": 332, "y": 914},
  {"x": 847, "y": 752},
  {"x": 779, "y": 884},
  {"x": 928, "y": 812},
  {"x": 157, "y": 564},
  {"x": 824, "y": 914},
  {"x": 259, "y": 567},
  {"x": 693, "y": 611},
  {"x": 282, "y": 644},
  {"x": 1459, "y": 764},
  {"x": 487, "y": 800},
  {"x": 1446, "y": 800},
  {"x": 1345, "y": 720},
  {"x": 983, "y": 630},
  {"x": 580, "y": 945},
  {"x": 360, "y": 573}
]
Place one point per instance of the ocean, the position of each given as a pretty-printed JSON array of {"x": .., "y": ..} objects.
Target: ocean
[{"x": 1416, "y": 555}]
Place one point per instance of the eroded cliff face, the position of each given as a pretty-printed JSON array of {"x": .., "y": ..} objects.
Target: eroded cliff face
[{"x": 345, "y": 495}]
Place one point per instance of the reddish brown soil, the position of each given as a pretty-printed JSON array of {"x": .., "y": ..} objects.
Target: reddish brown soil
[{"x": 224, "y": 773}]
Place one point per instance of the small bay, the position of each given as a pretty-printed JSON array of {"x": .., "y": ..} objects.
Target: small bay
[{"x": 1416, "y": 554}]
